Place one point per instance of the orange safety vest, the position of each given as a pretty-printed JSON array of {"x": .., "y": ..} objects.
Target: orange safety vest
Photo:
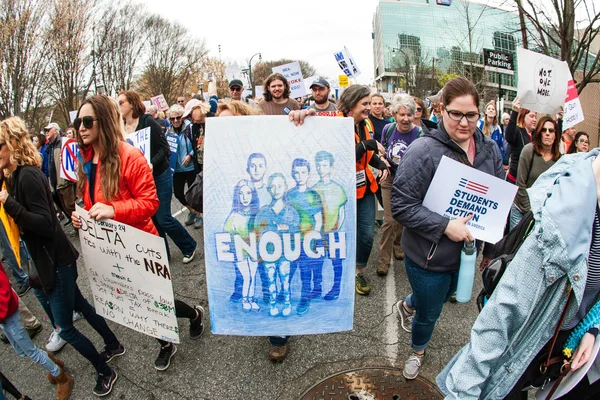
[{"x": 363, "y": 172}]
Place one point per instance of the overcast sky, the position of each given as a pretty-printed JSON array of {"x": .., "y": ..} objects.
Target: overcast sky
[{"x": 310, "y": 30}]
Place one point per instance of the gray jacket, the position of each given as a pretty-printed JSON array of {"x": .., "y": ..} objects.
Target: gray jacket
[{"x": 423, "y": 238}]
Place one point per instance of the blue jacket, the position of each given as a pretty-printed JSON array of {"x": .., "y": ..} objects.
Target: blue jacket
[{"x": 522, "y": 313}]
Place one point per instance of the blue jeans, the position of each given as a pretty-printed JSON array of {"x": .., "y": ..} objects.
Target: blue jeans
[
  {"x": 20, "y": 341},
  {"x": 515, "y": 217},
  {"x": 365, "y": 227},
  {"x": 430, "y": 291},
  {"x": 165, "y": 223},
  {"x": 59, "y": 305},
  {"x": 9, "y": 258}
]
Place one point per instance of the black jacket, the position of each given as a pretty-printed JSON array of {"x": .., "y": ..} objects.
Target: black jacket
[
  {"x": 159, "y": 147},
  {"x": 423, "y": 238},
  {"x": 30, "y": 205},
  {"x": 517, "y": 138}
]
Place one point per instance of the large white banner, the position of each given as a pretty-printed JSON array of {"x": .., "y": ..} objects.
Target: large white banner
[
  {"x": 130, "y": 276},
  {"x": 280, "y": 236},
  {"x": 293, "y": 74},
  {"x": 457, "y": 191},
  {"x": 542, "y": 82},
  {"x": 68, "y": 159},
  {"x": 141, "y": 140}
]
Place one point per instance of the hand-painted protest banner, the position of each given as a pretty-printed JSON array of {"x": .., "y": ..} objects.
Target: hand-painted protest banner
[
  {"x": 129, "y": 276},
  {"x": 160, "y": 102},
  {"x": 346, "y": 63},
  {"x": 141, "y": 140},
  {"x": 293, "y": 74},
  {"x": 68, "y": 159},
  {"x": 457, "y": 191},
  {"x": 573, "y": 113},
  {"x": 542, "y": 82},
  {"x": 280, "y": 237}
]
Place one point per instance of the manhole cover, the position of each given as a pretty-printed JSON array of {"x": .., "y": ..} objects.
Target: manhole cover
[{"x": 372, "y": 383}]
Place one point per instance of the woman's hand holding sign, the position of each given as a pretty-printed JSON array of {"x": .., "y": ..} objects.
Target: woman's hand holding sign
[{"x": 457, "y": 230}]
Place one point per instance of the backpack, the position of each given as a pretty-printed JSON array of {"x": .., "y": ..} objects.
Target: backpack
[
  {"x": 194, "y": 196},
  {"x": 387, "y": 132},
  {"x": 504, "y": 252}
]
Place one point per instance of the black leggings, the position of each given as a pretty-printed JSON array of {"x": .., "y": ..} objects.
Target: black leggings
[
  {"x": 179, "y": 181},
  {"x": 9, "y": 387},
  {"x": 182, "y": 310}
]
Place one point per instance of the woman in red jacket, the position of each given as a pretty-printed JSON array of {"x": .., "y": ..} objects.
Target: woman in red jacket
[{"x": 115, "y": 182}]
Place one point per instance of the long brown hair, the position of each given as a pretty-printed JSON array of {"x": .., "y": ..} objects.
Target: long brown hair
[
  {"x": 276, "y": 76},
  {"x": 137, "y": 105},
  {"x": 14, "y": 133},
  {"x": 110, "y": 135},
  {"x": 537, "y": 140},
  {"x": 486, "y": 124},
  {"x": 521, "y": 117}
]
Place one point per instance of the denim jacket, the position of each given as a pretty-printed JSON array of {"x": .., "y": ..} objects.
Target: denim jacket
[{"x": 521, "y": 315}]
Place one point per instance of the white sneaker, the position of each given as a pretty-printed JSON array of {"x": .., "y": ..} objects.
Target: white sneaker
[
  {"x": 188, "y": 259},
  {"x": 55, "y": 342}
]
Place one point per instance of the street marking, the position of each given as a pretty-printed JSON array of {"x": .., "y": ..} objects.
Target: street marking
[
  {"x": 391, "y": 322},
  {"x": 179, "y": 212}
]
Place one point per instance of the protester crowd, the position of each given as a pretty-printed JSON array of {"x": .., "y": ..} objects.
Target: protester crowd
[{"x": 398, "y": 146}]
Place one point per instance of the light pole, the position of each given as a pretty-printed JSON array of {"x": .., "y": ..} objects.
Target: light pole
[{"x": 250, "y": 70}]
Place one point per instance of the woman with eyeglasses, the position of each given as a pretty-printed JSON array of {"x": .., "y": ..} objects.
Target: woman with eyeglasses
[
  {"x": 29, "y": 202},
  {"x": 133, "y": 108},
  {"x": 580, "y": 144},
  {"x": 519, "y": 132},
  {"x": 432, "y": 243},
  {"x": 536, "y": 158}
]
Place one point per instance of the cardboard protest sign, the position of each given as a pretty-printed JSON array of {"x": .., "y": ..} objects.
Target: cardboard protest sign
[
  {"x": 347, "y": 63},
  {"x": 458, "y": 190},
  {"x": 160, "y": 102},
  {"x": 293, "y": 74},
  {"x": 68, "y": 159},
  {"x": 141, "y": 140},
  {"x": 573, "y": 111},
  {"x": 129, "y": 276},
  {"x": 283, "y": 222},
  {"x": 542, "y": 82}
]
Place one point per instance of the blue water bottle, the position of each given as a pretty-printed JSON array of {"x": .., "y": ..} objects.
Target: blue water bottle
[{"x": 466, "y": 273}]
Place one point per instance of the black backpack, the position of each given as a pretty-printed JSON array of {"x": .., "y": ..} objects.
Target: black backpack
[{"x": 504, "y": 252}]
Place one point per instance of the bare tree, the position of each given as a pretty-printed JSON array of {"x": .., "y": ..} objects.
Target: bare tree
[
  {"x": 173, "y": 59},
  {"x": 552, "y": 27}
]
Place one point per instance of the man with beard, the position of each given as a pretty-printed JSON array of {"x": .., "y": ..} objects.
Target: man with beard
[
  {"x": 277, "y": 96},
  {"x": 320, "y": 91}
]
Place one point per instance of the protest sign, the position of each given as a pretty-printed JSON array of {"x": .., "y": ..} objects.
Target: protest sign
[
  {"x": 542, "y": 82},
  {"x": 285, "y": 221},
  {"x": 573, "y": 111},
  {"x": 458, "y": 190},
  {"x": 141, "y": 140},
  {"x": 68, "y": 159},
  {"x": 346, "y": 63},
  {"x": 308, "y": 83},
  {"x": 129, "y": 276},
  {"x": 293, "y": 74},
  {"x": 160, "y": 102},
  {"x": 259, "y": 91},
  {"x": 72, "y": 115},
  {"x": 147, "y": 103},
  {"x": 343, "y": 80}
]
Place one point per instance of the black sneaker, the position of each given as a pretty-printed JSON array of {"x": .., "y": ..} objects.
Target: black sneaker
[
  {"x": 22, "y": 290},
  {"x": 104, "y": 383},
  {"x": 3, "y": 338},
  {"x": 108, "y": 355},
  {"x": 197, "y": 325},
  {"x": 34, "y": 331},
  {"x": 164, "y": 357}
]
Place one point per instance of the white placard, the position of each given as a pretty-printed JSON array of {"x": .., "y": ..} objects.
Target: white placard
[
  {"x": 129, "y": 276},
  {"x": 542, "y": 82},
  {"x": 573, "y": 111},
  {"x": 293, "y": 74},
  {"x": 458, "y": 190},
  {"x": 308, "y": 82},
  {"x": 72, "y": 115},
  {"x": 259, "y": 92},
  {"x": 68, "y": 159},
  {"x": 347, "y": 63},
  {"x": 141, "y": 140}
]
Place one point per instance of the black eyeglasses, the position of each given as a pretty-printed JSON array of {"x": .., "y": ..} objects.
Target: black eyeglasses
[
  {"x": 175, "y": 118},
  {"x": 456, "y": 115},
  {"x": 88, "y": 122},
  {"x": 551, "y": 130},
  {"x": 235, "y": 89}
]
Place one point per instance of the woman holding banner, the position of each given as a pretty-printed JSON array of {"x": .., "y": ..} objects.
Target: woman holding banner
[
  {"x": 432, "y": 243},
  {"x": 116, "y": 182},
  {"x": 30, "y": 205}
]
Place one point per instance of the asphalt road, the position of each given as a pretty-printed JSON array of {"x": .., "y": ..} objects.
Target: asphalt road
[{"x": 232, "y": 367}]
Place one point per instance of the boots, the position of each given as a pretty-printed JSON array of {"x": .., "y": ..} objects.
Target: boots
[
  {"x": 57, "y": 361},
  {"x": 64, "y": 385}
]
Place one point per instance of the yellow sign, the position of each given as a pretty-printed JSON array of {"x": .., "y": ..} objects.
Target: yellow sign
[{"x": 343, "y": 80}]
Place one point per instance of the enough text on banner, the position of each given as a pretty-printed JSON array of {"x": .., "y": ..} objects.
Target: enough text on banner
[
  {"x": 458, "y": 190},
  {"x": 129, "y": 276},
  {"x": 280, "y": 238}
]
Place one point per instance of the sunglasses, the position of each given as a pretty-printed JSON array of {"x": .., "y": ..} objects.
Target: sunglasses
[
  {"x": 551, "y": 130},
  {"x": 175, "y": 118},
  {"x": 180, "y": 101},
  {"x": 235, "y": 89},
  {"x": 88, "y": 122},
  {"x": 419, "y": 109}
]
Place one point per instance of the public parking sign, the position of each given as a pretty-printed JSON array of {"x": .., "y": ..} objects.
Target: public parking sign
[{"x": 498, "y": 61}]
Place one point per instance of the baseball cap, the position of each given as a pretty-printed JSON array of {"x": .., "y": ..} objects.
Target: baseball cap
[
  {"x": 321, "y": 82},
  {"x": 192, "y": 105},
  {"x": 236, "y": 82},
  {"x": 52, "y": 125}
]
